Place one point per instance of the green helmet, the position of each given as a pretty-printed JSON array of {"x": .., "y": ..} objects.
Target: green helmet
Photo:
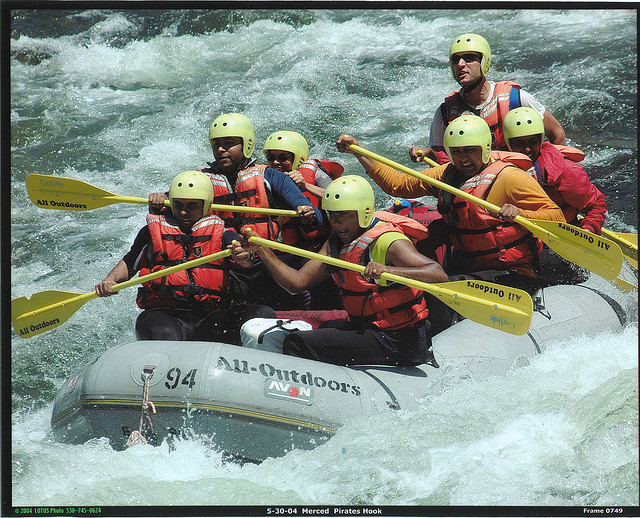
[
  {"x": 471, "y": 43},
  {"x": 468, "y": 130},
  {"x": 522, "y": 122},
  {"x": 234, "y": 125},
  {"x": 351, "y": 192},
  {"x": 288, "y": 141},
  {"x": 192, "y": 185}
]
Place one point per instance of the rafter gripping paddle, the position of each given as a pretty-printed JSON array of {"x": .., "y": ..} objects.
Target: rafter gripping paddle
[
  {"x": 595, "y": 253},
  {"x": 493, "y": 305}
]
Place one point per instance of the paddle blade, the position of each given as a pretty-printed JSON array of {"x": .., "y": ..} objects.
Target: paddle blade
[
  {"x": 590, "y": 251},
  {"x": 45, "y": 310},
  {"x": 52, "y": 192},
  {"x": 628, "y": 244},
  {"x": 500, "y": 307}
]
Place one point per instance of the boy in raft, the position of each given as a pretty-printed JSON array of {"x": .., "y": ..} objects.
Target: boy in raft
[
  {"x": 387, "y": 323},
  {"x": 190, "y": 304},
  {"x": 557, "y": 170},
  {"x": 491, "y": 247},
  {"x": 470, "y": 59},
  {"x": 237, "y": 179},
  {"x": 288, "y": 152}
]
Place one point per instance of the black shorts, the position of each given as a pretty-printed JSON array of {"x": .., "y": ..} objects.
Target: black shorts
[
  {"x": 219, "y": 325},
  {"x": 341, "y": 342}
]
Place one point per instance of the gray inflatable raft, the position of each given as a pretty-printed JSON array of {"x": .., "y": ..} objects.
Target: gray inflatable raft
[{"x": 257, "y": 404}]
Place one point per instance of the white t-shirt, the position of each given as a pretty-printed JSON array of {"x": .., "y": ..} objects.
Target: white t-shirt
[{"x": 438, "y": 125}]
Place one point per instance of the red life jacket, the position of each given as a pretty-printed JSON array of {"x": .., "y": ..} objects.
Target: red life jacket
[
  {"x": 482, "y": 241},
  {"x": 518, "y": 159},
  {"x": 291, "y": 231},
  {"x": 221, "y": 191},
  {"x": 201, "y": 287},
  {"x": 249, "y": 191},
  {"x": 569, "y": 187},
  {"x": 435, "y": 245},
  {"x": 493, "y": 112},
  {"x": 386, "y": 307}
]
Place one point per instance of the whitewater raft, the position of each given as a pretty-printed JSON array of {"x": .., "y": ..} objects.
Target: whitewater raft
[{"x": 256, "y": 404}]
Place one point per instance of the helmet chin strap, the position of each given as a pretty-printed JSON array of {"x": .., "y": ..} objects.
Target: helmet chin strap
[{"x": 472, "y": 86}]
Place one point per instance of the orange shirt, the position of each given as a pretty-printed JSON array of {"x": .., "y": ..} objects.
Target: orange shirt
[{"x": 512, "y": 186}]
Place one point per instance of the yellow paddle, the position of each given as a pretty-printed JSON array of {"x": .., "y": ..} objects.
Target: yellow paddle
[
  {"x": 493, "y": 305},
  {"x": 595, "y": 253},
  {"x": 53, "y": 192},
  {"x": 49, "y": 309}
]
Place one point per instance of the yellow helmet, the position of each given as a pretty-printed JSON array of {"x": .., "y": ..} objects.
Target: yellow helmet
[
  {"x": 522, "y": 122},
  {"x": 234, "y": 125},
  {"x": 468, "y": 130},
  {"x": 351, "y": 192},
  {"x": 471, "y": 43},
  {"x": 192, "y": 185},
  {"x": 288, "y": 141}
]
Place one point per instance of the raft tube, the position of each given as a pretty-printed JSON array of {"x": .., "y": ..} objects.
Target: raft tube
[{"x": 257, "y": 404}]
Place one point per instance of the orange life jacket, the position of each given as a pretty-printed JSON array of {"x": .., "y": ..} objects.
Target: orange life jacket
[
  {"x": 203, "y": 286},
  {"x": 249, "y": 191},
  {"x": 493, "y": 112},
  {"x": 291, "y": 231},
  {"x": 518, "y": 159},
  {"x": 386, "y": 307},
  {"x": 481, "y": 241},
  {"x": 572, "y": 153},
  {"x": 221, "y": 191}
]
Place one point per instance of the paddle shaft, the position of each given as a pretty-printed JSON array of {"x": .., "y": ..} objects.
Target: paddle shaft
[
  {"x": 52, "y": 192},
  {"x": 215, "y": 206},
  {"x": 442, "y": 185},
  {"x": 430, "y": 288},
  {"x": 588, "y": 250}
]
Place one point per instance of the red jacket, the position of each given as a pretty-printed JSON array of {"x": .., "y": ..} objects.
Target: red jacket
[{"x": 568, "y": 185}]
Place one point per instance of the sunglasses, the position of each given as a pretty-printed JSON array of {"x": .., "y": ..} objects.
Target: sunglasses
[{"x": 467, "y": 58}]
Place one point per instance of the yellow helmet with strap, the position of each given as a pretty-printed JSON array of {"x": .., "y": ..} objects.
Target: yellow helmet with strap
[
  {"x": 192, "y": 185},
  {"x": 468, "y": 131},
  {"x": 471, "y": 43},
  {"x": 234, "y": 125},
  {"x": 522, "y": 122},
  {"x": 351, "y": 192},
  {"x": 288, "y": 141}
]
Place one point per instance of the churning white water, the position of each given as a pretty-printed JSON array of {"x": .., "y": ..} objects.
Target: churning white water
[{"x": 123, "y": 100}]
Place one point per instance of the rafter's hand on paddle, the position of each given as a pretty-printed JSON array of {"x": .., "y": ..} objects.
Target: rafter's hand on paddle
[
  {"x": 418, "y": 154},
  {"x": 119, "y": 273},
  {"x": 156, "y": 200},
  {"x": 509, "y": 212},
  {"x": 343, "y": 143},
  {"x": 373, "y": 271},
  {"x": 105, "y": 288},
  {"x": 307, "y": 214},
  {"x": 241, "y": 254},
  {"x": 246, "y": 233}
]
